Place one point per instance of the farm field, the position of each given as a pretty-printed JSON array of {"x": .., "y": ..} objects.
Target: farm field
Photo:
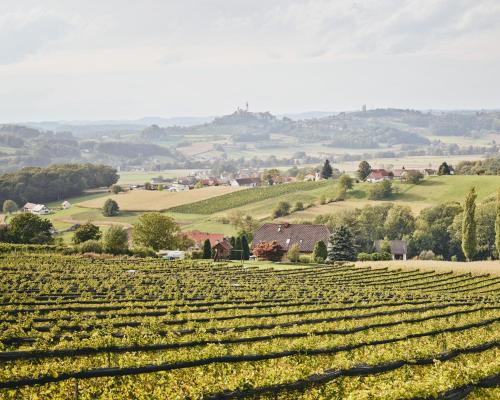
[
  {"x": 154, "y": 200},
  {"x": 74, "y": 327},
  {"x": 139, "y": 178}
]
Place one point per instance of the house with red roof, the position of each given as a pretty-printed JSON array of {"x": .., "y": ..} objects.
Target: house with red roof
[
  {"x": 199, "y": 238},
  {"x": 379, "y": 175}
]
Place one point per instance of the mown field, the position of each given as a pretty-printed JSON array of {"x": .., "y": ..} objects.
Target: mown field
[
  {"x": 156, "y": 200},
  {"x": 74, "y": 327}
]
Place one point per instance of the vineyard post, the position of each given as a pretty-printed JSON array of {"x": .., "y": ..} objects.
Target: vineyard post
[{"x": 77, "y": 393}]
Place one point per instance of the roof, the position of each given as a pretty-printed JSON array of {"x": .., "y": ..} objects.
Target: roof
[
  {"x": 397, "y": 246},
  {"x": 200, "y": 237},
  {"x": 29, "y": 206},
  {"x": 378, "y": 174},
  {"x": 247, "y": 181},
  {"x": 306, "y": 235},
  {"x": 224, "y": 244}
]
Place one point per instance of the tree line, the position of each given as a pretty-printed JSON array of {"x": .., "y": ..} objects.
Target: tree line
[{"x": 56, "y": 182}]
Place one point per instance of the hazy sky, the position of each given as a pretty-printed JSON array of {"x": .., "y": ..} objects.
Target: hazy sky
[{"x": 125, "y": 59}]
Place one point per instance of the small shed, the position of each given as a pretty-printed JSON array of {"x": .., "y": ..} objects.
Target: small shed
[
  {"x": 65, "y": 205},
  {"x": 398, "y": 248},
  {"x": 222, "y": 250}
]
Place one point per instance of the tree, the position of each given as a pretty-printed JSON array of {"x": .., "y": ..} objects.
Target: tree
[
  {"x": 469, "y": 234},
  {"x": 320, "y": 252},
  {"x": 399, "y": 222},
  {"x": 282, "y": 209},
  {"x": 497, "y": 225},
  {"x": 9, "y": 207},
  {"x": 115, "y": 189},
  {"x": 87, "y": 231},
  {"x": 245, "y": 247},
  {"x": 116, "y": 240},
  {"x": 341, "y": 245},
  {"x": 156, "y": 230},
  {"x": 270, "y": 251},
  {"x": 326, "y": 171},
  {"x": 207, "y": 249},
  {"x": 110, "y": 208},
  {"x": 30, "y": 229},
  {"x": 364, "y": 170},
  {"x": 345, "y": 182},
  {"x": 444, "y": 169},
  {"x": 293, "y": 253},
  {"x": 414, "y": 177},
  {"x": 380, "y": 191},
  {"x": 245, "y": 224}
]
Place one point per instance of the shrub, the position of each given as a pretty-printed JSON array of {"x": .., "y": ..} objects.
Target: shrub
[
  {"x": 110, "y": 208},
  {"x": 143, "y": 252},
  {"x": 116, "y": 240},
  {"x": 90, "y": 246},
  {"x": 293, "y": 253},
  {"x": 196, "y": 255},
  {"x": 115, "y": 189},
  {"x": 299, "y": 206},
  {"x": 379, "y": 191},
  {"x": 304, "y": 259},
  {"x": 322, "y": 199},
  {"x": 320, "y": 252},
  {"x": 282, "y": 209},
  {"x": 270, "y": 251},
  {"x": 85, "y": 232},
  {"x": 383, "y": 256},
  {"x": 426, "y": 255},
  {"x": 364, "y": 257},
  {"x": 345, "y": 182}
]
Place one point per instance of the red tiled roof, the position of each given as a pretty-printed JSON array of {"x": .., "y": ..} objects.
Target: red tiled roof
[
  {"x": 306, "y": 235},
  {"x": 200, "y": 237},
  {"x": 378, "y": 174}
]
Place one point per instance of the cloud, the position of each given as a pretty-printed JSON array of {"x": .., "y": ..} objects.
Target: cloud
[{"x": 24, "y": 34}]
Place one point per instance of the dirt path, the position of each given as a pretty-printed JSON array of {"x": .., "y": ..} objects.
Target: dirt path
[{"x": 107, "y": 223}]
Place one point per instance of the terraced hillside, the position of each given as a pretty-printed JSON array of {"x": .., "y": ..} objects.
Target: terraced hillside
[{"x": 83, "y": 328}]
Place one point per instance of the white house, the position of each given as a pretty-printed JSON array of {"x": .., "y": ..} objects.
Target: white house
[
  {"x": 65, "y": 205},
  {"x": 38, "y": 209},
  {"x": 246, "y": 182},
  {"x": 178, "y": 187}
]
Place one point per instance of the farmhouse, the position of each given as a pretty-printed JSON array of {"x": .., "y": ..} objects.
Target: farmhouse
[
  {"x": 159, "y": 182},
  {"x": 246, "y": 182},
  {"x": 305, "y": 235},
  {"x": 398, "y": 248},
  {"x": 38, "y": 209},
  {"x": 199, "y": 238},
  {"x": 378, "y": 175}
]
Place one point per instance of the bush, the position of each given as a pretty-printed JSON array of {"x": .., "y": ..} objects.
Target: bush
[
  {"x": 115, "y": 189},
  {"x": 364, "y": 257},
  {"x": 322, "y": 199},
  {"x": 270, "y": 251},
  {"x": 426, "y": 255},
  {"x": 379, "y": 191},
  {"x": 345, "y": 182},
  {"x": 143, "y": 252},
  {"x": 303, "y": 259},
  {"x": 196, "y": 255},
  {"x": 320, "y": 252},
  {"x": 110, "y": 208},
  {"x": 282, "y": 209},
  {"x": 299, "y": 206},
  {"x": 293, "y": 253},
  {"x": 90, "y": 246},
  {"x": 383, "y": 256},
  {"x": 116, "y": 240},
  {"x": 85, "y": 232}
]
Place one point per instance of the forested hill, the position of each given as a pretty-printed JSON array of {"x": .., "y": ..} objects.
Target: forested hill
[{"x": 38, "y": 185}]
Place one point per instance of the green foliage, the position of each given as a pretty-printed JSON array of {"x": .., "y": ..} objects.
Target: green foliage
[
  {"x": 87, "y": 231},
  {"x": 364, "y": 170},
  {"x": 326, "y": 171},
  {"x": 380, "y": 191},
  {"x": 244, "y": 197},
  {"x": 341, "y": 245},
  {"x": 245, "y": 247},
  {"x": 304, "y": 259},
  {"x": 345, "y": 182},
  {"x": 399, "y": 222},
  {"x": 157, "y": 231},
  {"x": 9, "y": 207},
  {"x": 282, "y": 209},
  {"x": 469, "y": 235},
  {"x": 320, "y": 252},
  {"x": 30, "y": 229},
  {"x": 110, "y": 208},
  {"x": 116, "y": 240},
  {"x": 39, "y": 185},
  {"x": 299, "y": 206},
  {"x": 207, "y": 250},
  {"x": 293, "y": 253},
  {"x": 90, "y": 246},
  {"x": 382, "y": 256},
  {"x": 413, "y": 177},
  {"x": 444, "y": 169},
  {"x": 115, "y": 189},
  {"x": 143, "y": 252}
]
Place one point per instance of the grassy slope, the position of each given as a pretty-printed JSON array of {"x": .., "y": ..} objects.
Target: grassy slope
[{"x": 432, "y": 191}]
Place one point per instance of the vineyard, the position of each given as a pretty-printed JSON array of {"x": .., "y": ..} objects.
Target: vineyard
[
  {"x": 244, "y": 197},
  {"x": 84, "y": 328}
]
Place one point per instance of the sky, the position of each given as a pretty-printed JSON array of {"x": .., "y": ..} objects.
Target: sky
[{"x": 115, "y": 59}]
